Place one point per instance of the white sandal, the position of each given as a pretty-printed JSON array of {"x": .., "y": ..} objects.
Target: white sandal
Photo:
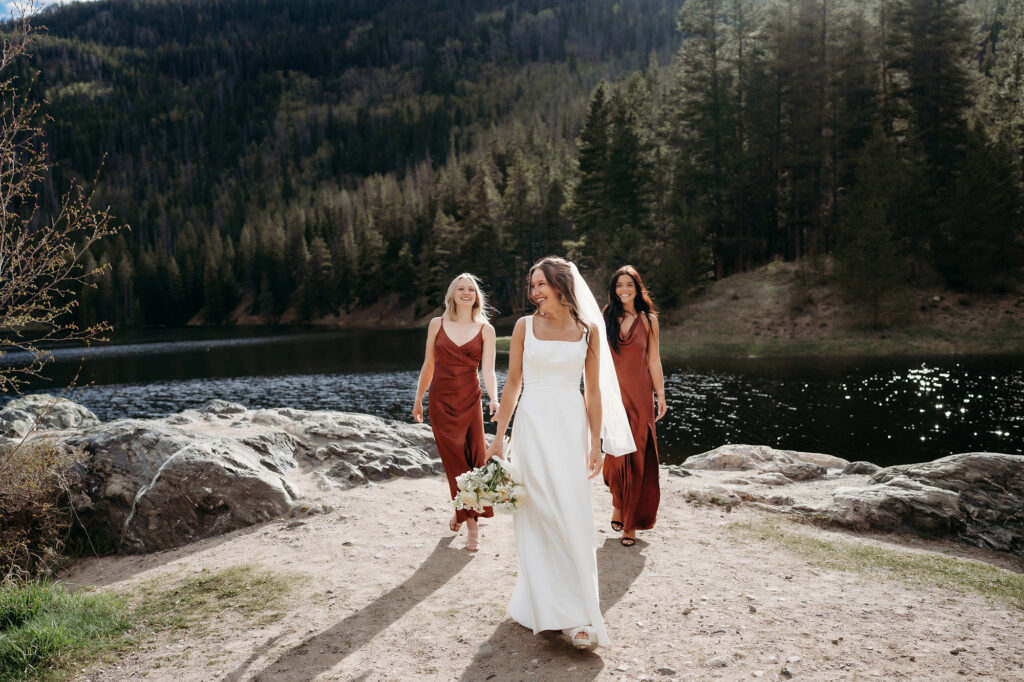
[{"x": 589, "y": 642}]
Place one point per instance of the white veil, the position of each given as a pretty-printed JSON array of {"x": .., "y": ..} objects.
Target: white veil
[{"x": 616, "y": 436}]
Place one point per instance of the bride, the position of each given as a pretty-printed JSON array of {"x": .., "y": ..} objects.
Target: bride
[{"x": 557, "y": 444}]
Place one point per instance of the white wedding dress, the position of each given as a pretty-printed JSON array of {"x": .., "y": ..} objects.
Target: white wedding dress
[{"x": 557, "y": 584}]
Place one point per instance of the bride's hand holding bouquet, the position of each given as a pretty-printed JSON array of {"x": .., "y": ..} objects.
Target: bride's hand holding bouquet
[{"x": 495, "y": 484}]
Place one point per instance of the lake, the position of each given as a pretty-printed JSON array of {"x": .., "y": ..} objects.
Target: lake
[{"x": 885, "y": 410}]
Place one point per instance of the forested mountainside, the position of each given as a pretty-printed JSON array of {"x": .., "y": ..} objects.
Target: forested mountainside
[{"x": 292, "y": 160}]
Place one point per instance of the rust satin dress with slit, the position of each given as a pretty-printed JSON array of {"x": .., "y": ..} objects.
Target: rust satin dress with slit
[
  {"x": 454, "y": 410},
  {"x": 633, "y": 478}
]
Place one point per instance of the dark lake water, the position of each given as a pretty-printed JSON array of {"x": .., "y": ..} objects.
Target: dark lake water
[{"x": 889, "y": 411}]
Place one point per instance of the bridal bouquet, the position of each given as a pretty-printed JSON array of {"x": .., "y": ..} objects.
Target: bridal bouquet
[{"x": 495, "y": 484}]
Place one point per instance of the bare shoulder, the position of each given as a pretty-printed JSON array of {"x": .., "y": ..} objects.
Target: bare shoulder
[
  {"x": 434, "y": 324},
  {"x": 488, "y": 331},
  {"x": 520, "y": 328},
  {"x": 593, "y": 333}
]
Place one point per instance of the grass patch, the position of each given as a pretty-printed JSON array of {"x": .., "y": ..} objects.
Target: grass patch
[
  {"x": 937, "y": 570},
  {"x": 194, "y": 602},
  {"x": 45, "y": 630}
]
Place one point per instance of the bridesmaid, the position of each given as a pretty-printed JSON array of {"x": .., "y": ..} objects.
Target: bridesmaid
[
  {"x": 633, "y": 335},
  {"x": 456, "y": 343}
]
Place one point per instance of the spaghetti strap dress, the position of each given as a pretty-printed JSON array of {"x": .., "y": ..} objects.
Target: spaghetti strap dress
[
  {"x": 633, "y": 478},
  {"x": 454, "y": 410}
]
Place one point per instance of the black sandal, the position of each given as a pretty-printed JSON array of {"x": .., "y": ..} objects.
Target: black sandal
[
  {"x": 617, "y": 526},
  {"x": 627, "y": 542}
]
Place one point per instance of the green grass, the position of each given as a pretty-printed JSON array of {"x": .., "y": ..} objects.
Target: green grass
[
  {"x": 192, "y": 603},
  {"x": 45, "y": 629},
  {"x": 939, "y": 571}
]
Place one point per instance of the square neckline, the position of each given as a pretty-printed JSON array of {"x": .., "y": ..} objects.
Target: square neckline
[{"x": 583, "y": 335}]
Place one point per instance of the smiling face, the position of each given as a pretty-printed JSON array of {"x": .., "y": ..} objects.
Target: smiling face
[
  {"x": 542, "y": 293},
  {"x": 625, "y": 289},
  {"x": 465, "y": 293}
]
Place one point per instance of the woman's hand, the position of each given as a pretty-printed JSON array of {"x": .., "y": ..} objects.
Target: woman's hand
[
  {"x": 595, "y": 460},
  {"x": 494, "y": 450},
  {"x": 417, "y": 411},
  {"x": 662, "y": 406},
  {"x": 494, "y": 406}
]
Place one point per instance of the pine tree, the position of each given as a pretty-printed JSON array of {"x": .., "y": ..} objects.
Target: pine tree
[
  {"x": 591, "y": 206},
  {"x": 872, "y": 259}
]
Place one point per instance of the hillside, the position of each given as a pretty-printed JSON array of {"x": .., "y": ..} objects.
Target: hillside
[
  {"x": 787, "y": 309},
  {"x": 293, "y": 161}
]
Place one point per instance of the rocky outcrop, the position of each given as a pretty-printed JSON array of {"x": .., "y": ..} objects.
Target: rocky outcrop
[
  {"x": 795, "y": 466},
  {"x": 20, "y": 416},
  {"x": 854, "y": 468},
  {"x": 146, "y": 485},
  {"x": 976, "y": 496}
]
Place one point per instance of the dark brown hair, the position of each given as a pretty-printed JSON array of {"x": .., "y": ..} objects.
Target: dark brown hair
[
  {"x": 558, "y": 273},
  {"x": 613, "y": 311}
]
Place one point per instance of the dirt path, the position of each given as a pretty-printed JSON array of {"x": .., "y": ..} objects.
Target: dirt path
[{"x": 383, "y": 591}]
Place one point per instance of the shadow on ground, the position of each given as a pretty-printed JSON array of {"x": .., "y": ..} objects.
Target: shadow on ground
[
  {"x": 511, "y": 649},
  {"x": 325, "y": 650}
]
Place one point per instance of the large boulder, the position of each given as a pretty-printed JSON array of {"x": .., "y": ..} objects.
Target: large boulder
[
  {"x": 19, "y": 416},
  {"x": 976, "y": 496},
  {"x": 150, "y": 484},
  {"x": 796, "y": 466},
  {"x": 147, "y": 486}
]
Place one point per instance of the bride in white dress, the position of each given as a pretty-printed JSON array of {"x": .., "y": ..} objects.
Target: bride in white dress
[{"x": 557, "y": 446}]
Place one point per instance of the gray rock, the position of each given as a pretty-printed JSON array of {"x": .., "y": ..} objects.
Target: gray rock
[
  {"x": 905, "y": 505},
  {"x": 665, "y": 670},
  {"x": 860, "y": 468},
  {"x": 153, "y": 486},
  {"x": 771, "y": 478},
  {"x": 763, "y": 458},
  {"x": 19, "y": 416},
  {"x": 977, "y": 497},
  {"x": 717, "y": 662},
  {"x": 676, "y": 470},
  {"x": 147, "y": 485},
  {"x": 798, "y": 471},
  {"x": 990, "y": 491},
  {"x": 218, "y": 406}
]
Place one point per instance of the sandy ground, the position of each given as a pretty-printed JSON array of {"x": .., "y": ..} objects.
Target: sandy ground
[{"x": 385, "y": 592}]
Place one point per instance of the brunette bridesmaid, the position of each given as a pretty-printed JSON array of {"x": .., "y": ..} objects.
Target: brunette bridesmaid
[
  {"x": 457, "y": 342},
  {"x": 633, "y": 336}
]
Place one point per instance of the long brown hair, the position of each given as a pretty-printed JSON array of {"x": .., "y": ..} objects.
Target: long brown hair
[
  {"x": 558, "y": 273},
  {"x": 613, "y": 311}
]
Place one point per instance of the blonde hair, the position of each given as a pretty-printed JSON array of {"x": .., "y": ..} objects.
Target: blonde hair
[{"x": 479, "y": 306}]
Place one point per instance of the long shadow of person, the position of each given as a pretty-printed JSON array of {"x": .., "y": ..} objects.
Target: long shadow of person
[
  {"x": 512, "y": 652},
  {"x": 323, "y": 651}
]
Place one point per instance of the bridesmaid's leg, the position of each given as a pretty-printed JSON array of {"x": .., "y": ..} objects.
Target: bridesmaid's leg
[
  {"x": 613, "y": 479},
  {"x": 472, "y": 535}
]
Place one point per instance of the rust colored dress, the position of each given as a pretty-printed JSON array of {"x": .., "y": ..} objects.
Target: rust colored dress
[
  {"x": 454, "y": 410},
  {"x": 633, "y": 478}
]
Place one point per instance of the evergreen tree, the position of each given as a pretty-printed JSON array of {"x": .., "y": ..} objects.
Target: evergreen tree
[
  {"x": 591, "y": 209},
  {"x": 872, "y": 260}
]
